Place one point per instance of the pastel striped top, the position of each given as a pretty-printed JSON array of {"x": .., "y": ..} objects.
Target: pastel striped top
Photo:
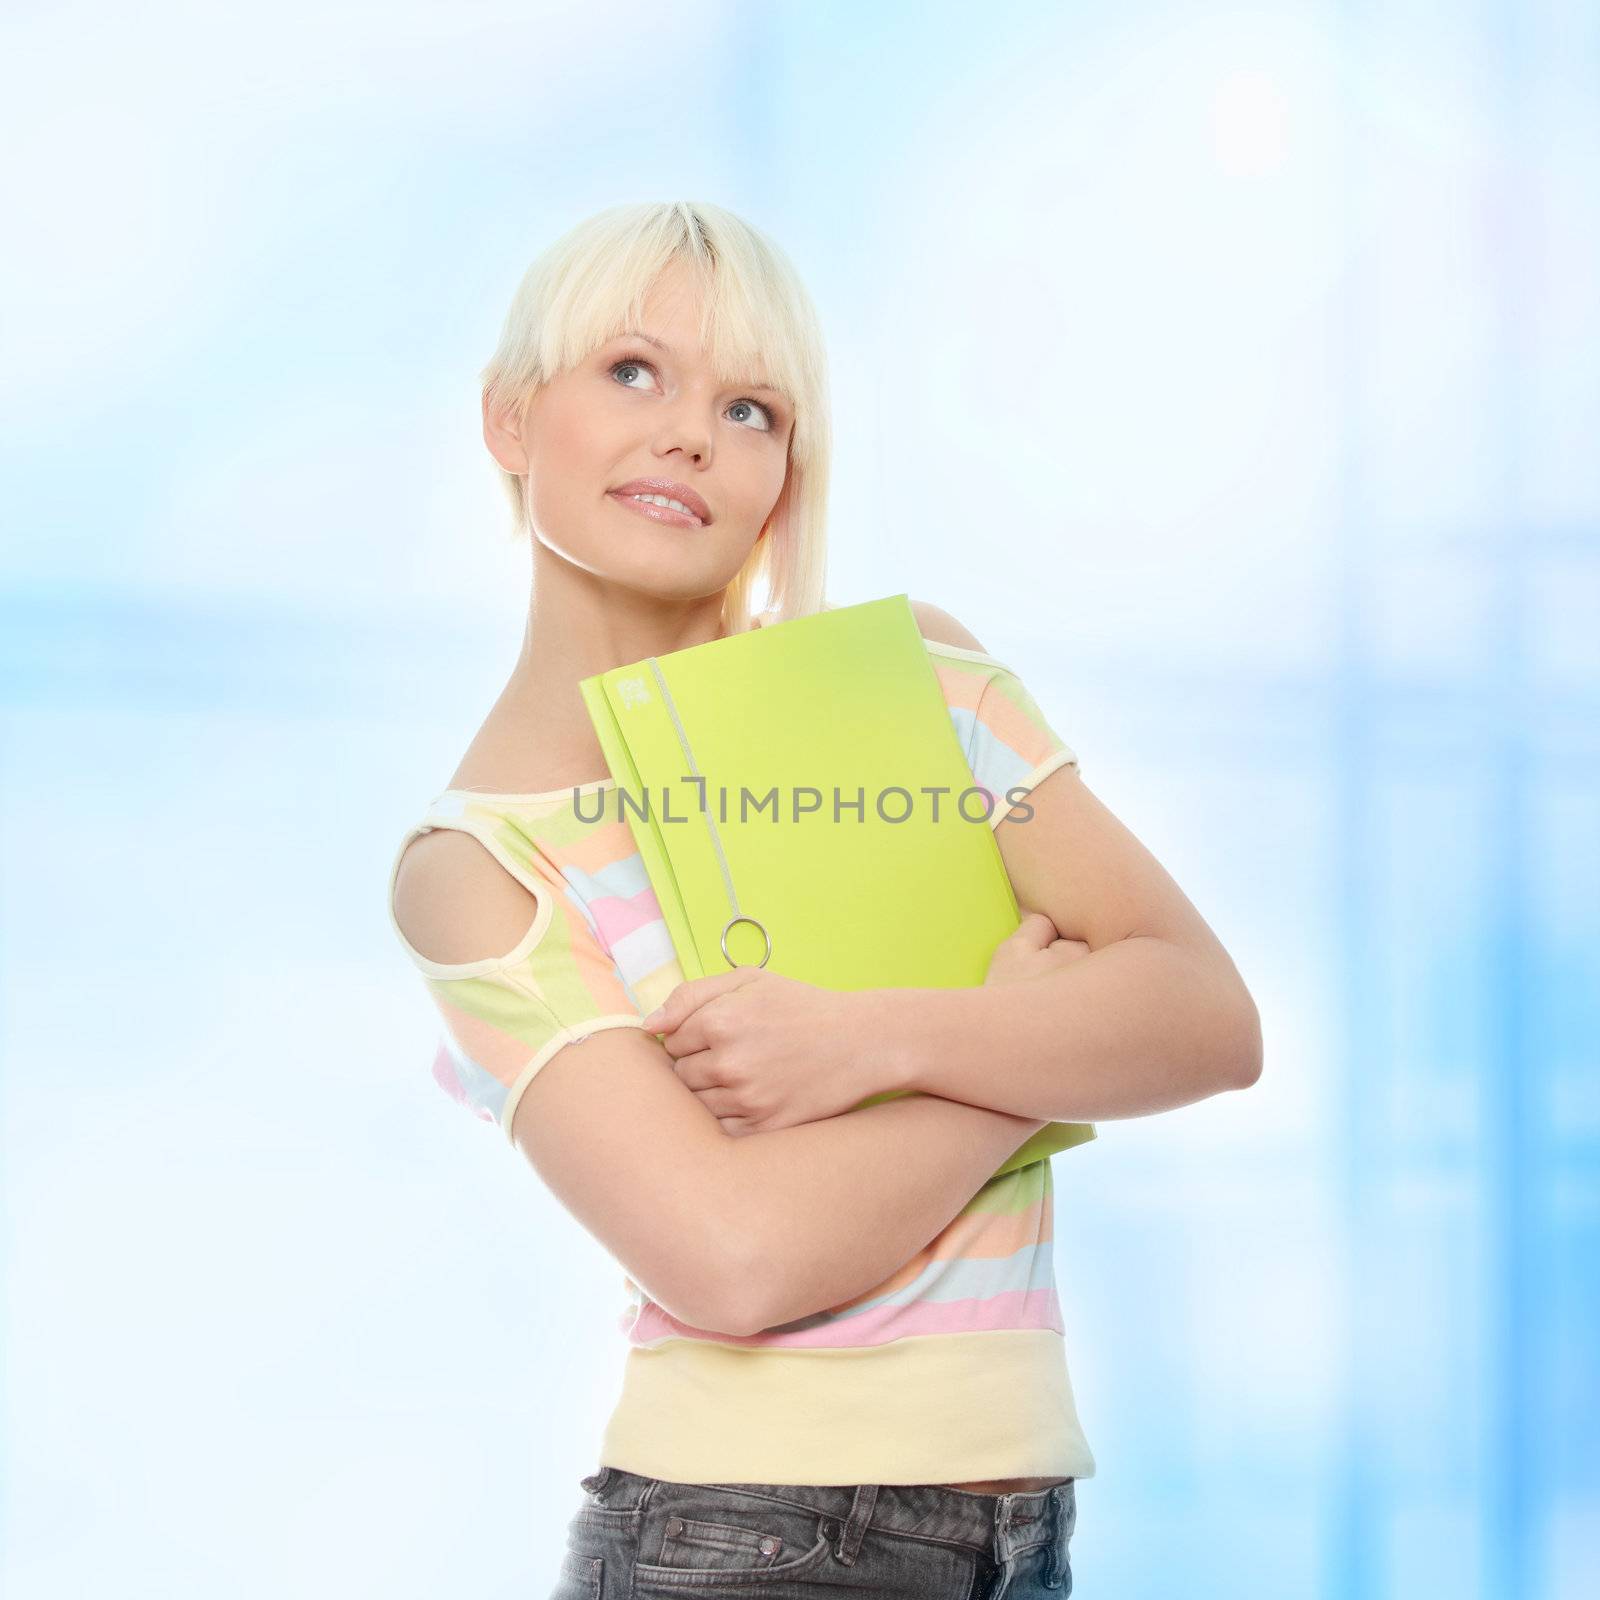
[{"x": 953, "y": 1369}]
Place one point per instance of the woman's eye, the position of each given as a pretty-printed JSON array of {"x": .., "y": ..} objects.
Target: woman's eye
[
  {"x": 756, "y": 405},
  {"x": 631, "y": 365},
  {"x": 635, "y": 366}
]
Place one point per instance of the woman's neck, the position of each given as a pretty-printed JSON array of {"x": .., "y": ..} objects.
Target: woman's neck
[{"x": 537, "y": 735}]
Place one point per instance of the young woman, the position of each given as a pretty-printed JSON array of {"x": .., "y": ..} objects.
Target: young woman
[{"x": 845, "y": 1367}]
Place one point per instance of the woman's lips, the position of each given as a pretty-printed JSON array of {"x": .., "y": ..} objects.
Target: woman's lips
[{"x": 648, "y": 508}]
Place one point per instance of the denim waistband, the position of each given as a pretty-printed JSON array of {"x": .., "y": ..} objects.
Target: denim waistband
[{"x": 998, "y": 1525}]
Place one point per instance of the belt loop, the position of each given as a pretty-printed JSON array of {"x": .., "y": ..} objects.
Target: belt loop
[{"x": 855, "y": 1529}]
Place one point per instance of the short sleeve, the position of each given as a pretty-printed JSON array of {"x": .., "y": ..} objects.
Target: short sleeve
[
  {"x": 1009, "y": 743},
  {"x": 1014, "y": 747},
  {"x": 505, "y": 1017}
]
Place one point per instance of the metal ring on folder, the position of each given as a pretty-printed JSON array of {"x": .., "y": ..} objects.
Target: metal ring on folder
[{"x": 754, "y": 924}]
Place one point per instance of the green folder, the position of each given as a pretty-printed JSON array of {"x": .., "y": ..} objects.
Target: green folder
[{"x": 776, "y": 783}]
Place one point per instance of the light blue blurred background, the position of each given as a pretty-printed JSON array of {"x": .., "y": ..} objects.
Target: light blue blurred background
[{"x": 1233, "y": 372}]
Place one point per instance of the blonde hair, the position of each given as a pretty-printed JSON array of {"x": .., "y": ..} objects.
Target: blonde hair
[{"x": 756, "y": 317}]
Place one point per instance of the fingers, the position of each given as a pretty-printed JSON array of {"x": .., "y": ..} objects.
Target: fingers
[
  {"x": 1036, "y": 930},
  {"x": 693, "y": 993}
]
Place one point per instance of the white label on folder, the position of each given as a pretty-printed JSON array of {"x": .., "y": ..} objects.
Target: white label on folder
[{"x": 633, "y": 691}]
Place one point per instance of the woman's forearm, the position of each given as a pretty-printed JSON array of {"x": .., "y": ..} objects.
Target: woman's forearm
[
  {"x": 836, "y": 1206},
  {"x": 1137, "y": 1027}
]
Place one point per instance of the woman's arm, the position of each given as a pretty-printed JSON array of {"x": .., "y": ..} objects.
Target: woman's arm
[
  {"x": 838, "y": 1206},
  {"x": 1154, "y": 1016},
  {"x": 861, "y": 1238},
  {"x": 1138, "y": 1026},
  {"x": 737, "y": 1234},
  {"x": 716, "y": 1230}
]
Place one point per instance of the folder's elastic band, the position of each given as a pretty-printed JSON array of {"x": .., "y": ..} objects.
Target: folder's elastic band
[{"x": 711, "y": 822}]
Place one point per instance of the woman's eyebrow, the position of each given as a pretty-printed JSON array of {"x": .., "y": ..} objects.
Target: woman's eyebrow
[{"x": 666, "y": 349}]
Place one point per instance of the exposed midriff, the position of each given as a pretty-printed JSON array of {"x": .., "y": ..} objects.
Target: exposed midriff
[{"x": 1006, "y": 1485}]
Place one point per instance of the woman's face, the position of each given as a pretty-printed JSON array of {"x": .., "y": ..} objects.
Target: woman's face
[{"x": 637, "y": 409}]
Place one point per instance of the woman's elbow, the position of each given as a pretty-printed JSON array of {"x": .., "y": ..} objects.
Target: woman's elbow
[
  {"x": 735, "y": 1308},
  {"x": 1247, "y": 1053},
  {"x": 732, "y": 1293}
]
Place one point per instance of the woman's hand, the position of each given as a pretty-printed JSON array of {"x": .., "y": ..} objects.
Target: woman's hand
[
  {"x": 1032, "y": 951},
  {"x": 761, "y": 1051}
]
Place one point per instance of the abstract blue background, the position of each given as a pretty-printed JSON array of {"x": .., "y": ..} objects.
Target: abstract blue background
[{"x": 1233, "y": 372}]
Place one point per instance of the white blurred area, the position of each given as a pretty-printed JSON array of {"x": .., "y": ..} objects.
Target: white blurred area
[{"x": 1232, "y": 372}]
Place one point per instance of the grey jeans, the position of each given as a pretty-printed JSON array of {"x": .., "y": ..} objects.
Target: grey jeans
[{"x": 635, "y": 1536}]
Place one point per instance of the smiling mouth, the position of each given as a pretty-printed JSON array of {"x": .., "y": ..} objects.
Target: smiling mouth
[{"x": 659, "y": 508}]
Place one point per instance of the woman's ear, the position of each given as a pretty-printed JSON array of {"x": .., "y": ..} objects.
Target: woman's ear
[{"x": 502, "y": 433}]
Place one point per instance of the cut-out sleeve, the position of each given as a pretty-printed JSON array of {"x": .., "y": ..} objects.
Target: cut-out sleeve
[{"x": 504, "y": 1017}]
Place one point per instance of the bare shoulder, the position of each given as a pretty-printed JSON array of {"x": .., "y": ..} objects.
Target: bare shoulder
[
  {"x": 455, "y": 903},
  {"x": 942, "y": 628}
]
